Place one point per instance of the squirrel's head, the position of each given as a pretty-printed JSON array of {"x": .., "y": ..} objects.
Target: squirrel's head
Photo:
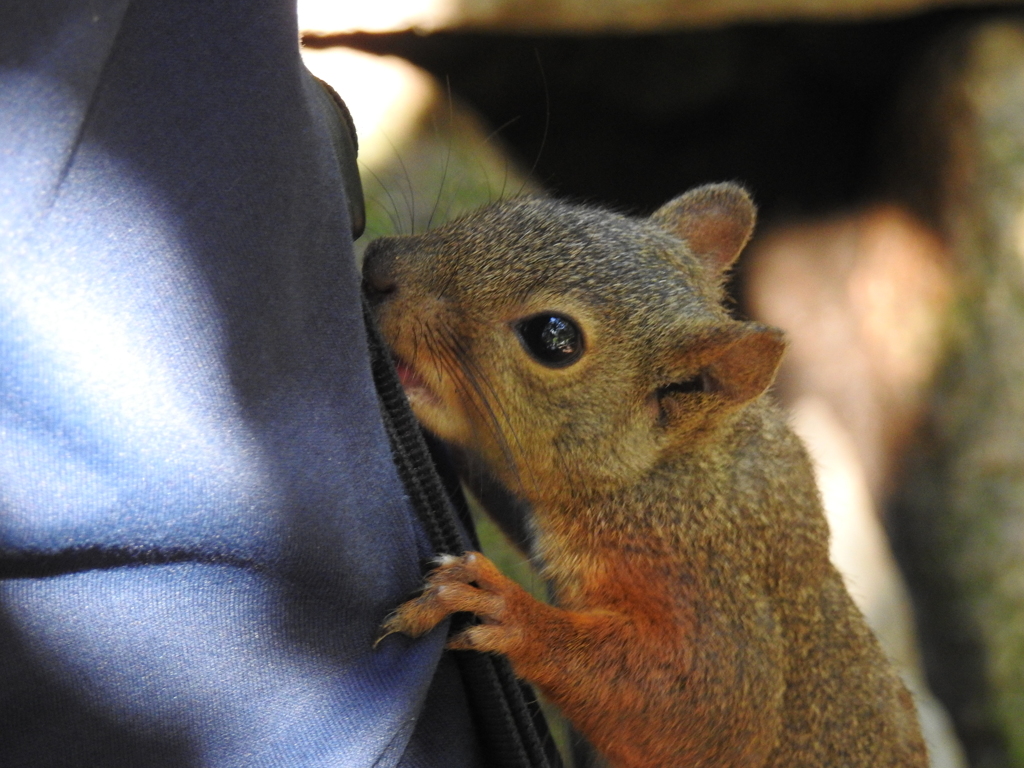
[{"x": 570, "y": 347}]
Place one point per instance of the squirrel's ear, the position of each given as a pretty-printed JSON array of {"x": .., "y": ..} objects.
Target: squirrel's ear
[
  {"x": 744, "y": 366},
  {"x": 715, "y": 220}
]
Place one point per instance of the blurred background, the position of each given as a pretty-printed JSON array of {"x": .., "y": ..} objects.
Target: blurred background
[{"x": 884, "y": 143}]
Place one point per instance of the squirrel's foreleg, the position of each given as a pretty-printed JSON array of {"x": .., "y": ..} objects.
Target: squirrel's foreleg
[
  {"x": 547, "y": 645},
  {"x": 471, "y": 584}
]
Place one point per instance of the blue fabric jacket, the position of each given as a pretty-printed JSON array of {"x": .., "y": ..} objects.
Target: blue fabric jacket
[{"x": 201, "y": 525}]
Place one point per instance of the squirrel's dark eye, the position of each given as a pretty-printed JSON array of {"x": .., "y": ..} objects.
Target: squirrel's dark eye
[{"x": 554, "y": 340}]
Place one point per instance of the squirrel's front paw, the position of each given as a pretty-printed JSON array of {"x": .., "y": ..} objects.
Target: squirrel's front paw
[{"x": 470, "y": 583}]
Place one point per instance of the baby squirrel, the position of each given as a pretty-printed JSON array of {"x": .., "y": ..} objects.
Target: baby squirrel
[{"x": 584, "y": 359}]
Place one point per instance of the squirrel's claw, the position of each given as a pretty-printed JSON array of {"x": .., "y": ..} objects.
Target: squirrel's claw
[
  {"x": 387, "y": 632},
  {"x": 415, "y": 617},
  {"x": 457, "y": 584}
]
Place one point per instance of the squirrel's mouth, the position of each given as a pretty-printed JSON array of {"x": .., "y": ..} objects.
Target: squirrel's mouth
[
  {"x": 407, "y": 376},
  {"x": 415, "y": 387}
]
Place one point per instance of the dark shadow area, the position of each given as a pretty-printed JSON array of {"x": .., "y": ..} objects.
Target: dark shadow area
[
  {"x": 99, "y": 739},
  {"x": 952, "y": 645},
  {"x": 802, "y": 113}
]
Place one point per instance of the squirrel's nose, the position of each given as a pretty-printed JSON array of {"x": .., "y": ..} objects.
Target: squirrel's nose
[{"x": 378, "y": 270}]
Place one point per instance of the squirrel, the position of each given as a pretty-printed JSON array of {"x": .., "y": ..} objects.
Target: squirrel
[{"x": 586, "y": 361}]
